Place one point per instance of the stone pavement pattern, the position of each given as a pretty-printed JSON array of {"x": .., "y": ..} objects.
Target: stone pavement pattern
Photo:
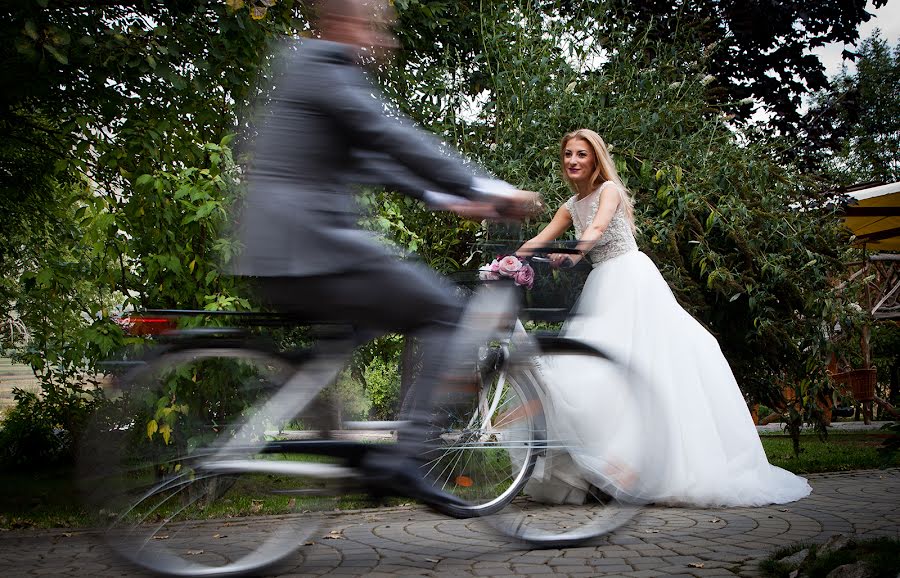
[{"x": 416, "y": 542}]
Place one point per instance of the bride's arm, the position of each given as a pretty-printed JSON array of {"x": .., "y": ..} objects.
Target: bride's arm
[
  {"x": 561, "y": 221},
  {"x": 609, "y": 202}
]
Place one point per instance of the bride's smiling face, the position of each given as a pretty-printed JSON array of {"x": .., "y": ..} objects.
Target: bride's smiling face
[{"x": 579, "y": 161}]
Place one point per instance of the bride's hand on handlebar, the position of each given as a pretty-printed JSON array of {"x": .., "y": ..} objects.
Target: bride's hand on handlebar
[{"x": 562, "y": 260}]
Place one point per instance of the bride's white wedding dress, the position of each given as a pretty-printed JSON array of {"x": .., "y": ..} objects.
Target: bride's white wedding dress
[{"x": 699, "y": 445}]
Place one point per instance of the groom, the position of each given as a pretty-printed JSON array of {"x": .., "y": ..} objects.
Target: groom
[{"x": 325, "y": 132}]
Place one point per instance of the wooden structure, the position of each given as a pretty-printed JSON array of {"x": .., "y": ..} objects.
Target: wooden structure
[{"x": 873, "y": 216}]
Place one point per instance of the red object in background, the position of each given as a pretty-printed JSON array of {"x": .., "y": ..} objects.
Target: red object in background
[{"x": 141, "y": 325}]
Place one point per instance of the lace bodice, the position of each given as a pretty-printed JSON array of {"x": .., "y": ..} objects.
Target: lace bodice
[{"x": 616, "y": 240}]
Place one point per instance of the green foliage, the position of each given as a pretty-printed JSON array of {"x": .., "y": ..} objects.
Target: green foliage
[
  {"x": 348, "y": 399},
  {"x": 117, "y": 126},
  {"x": 760, "y": 50},
  {"x": 27, "y": 437},
  {"x": 880, "y": 555},
  {"x": 38, "y": 432},
  {"x": 383, "y": 387},
  {"x": 727, "y": 225},
  {"x": 117, "y": 123},
  {"x": 890, "y": 447}
]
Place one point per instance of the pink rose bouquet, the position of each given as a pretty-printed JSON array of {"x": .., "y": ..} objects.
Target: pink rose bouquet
[{"x": 508, "y": 267}]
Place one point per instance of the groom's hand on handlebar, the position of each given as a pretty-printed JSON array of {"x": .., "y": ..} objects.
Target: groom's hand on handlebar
[
  {"x": 513, "y": 205},
  {"x": 518, "y": 205}
]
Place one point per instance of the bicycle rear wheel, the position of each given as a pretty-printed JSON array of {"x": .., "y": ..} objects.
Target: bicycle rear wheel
[
  {"x": 146, "y": 464},
  {"x": 585, "y": 482}
]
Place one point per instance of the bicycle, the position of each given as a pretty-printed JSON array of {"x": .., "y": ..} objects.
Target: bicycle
[{"x": 281, "y": 451}]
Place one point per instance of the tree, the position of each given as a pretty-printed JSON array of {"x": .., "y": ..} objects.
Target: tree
[
  {"x": 720, "y": 216},
  {"x": 125, "y": 112},
  {"x": 116, "y": 123},
  {"x": 851, "y": 133},
  {"x": 759, "y": 49}
]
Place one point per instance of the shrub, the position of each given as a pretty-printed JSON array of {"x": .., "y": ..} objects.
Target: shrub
[
  {"x": 383, "y": 386},
  {"x": 28, "y": 437},
  {"x": 41, "y": 431}
]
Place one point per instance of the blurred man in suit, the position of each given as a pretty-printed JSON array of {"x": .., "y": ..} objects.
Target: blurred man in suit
[{"x": 326, "y": 132}]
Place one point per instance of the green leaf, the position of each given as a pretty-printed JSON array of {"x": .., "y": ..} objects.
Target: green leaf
[
  {"x": 166, "y": 431},
  {"x": 44, "y": 277},
  {"x": 31, "y": 30},
  {"x": 646, "y": 169},
  {"x": 152, "y": 428},
  {"x": 59, "y": 56},
  {"x": 206, "y": 208}
]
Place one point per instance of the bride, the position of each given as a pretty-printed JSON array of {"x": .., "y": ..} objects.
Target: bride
[{"x": 700, "y": 446}]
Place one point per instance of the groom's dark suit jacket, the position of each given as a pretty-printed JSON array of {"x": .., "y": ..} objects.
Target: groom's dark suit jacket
[{"x": 326, "y": 131}]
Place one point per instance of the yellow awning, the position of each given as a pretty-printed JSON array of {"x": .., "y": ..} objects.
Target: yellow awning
[{"x": 873, "y": 216}]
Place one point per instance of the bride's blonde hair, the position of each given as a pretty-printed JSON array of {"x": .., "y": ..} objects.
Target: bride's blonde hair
[{"x": 604, "y": 171}]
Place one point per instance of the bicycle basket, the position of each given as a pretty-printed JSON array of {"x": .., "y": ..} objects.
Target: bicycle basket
[{"x": 551, "y": 295}]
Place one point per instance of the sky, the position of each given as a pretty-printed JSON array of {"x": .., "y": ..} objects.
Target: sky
[{"x": 886, "y": 18}]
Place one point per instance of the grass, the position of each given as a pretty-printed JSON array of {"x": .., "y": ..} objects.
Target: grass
[
  {"x": 40, "y": 500},
  {"x": 52, "y": 500},
  {"x": 881, "y": 555},
  {"x": 840, "y": 452}
]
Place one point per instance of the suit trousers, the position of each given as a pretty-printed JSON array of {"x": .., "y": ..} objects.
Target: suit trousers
[{"x": 390, "y": 297}]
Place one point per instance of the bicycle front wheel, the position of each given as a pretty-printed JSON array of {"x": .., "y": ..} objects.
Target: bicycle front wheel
[
  {"x": 146, "y": 465},
  {"x": 484, "y": 445}
]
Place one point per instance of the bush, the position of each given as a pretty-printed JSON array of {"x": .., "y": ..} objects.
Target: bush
[
  {"x": 347, "y": 398},
  {"x": 28, "y": 437},
  {"x": 41, "y": 431},
  {"x": 383, "y": 386}
]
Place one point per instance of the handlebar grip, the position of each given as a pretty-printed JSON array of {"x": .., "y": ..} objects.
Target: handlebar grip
[
  {"x": 564, "y": 265},
  {"x": 548, "y": 250}
]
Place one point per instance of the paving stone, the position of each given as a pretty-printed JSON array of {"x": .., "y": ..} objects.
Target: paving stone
[
  {"x": 644, "y": 563},
  {"x": 567, "y": 562},
  {"x": 615, "y": 569},
  {"x": 416, "y": 542},
  {"x": 532, "y": 569},
  {"x": 606, "y": 562}
]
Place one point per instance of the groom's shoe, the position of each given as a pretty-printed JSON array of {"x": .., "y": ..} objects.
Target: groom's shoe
[{"x": 402, "y": 476}]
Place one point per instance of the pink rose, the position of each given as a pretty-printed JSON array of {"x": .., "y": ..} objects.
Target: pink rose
[
  {"x": 486, "y": 274},
  {"x": 509, "y": 266},
  {"x": 525, "y": 276},
  {"x": 495, "y": 266}
]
